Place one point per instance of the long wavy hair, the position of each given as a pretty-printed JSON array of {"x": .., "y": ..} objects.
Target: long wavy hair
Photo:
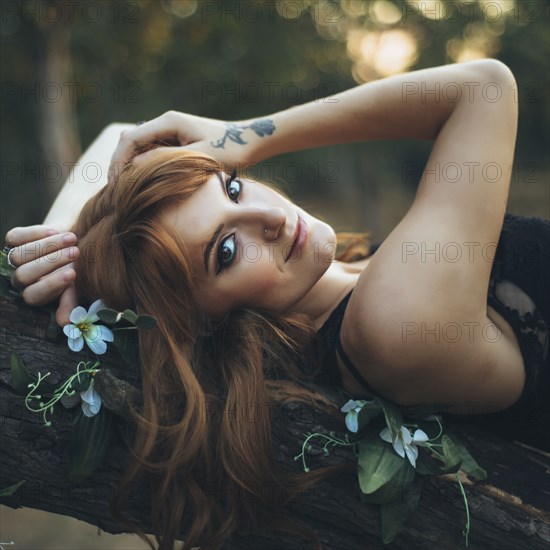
[{"x": 194, "y": 435}]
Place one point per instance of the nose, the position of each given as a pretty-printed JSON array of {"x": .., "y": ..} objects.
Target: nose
[{"x": 272, "y": 218}]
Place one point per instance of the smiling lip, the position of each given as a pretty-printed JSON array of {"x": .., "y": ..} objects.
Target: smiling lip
[{"x": 299, "y": 241}]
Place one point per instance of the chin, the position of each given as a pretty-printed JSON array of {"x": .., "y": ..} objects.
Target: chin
[{"x": 323, "y": 244}]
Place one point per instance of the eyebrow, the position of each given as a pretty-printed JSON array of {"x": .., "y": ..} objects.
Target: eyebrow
[{"x": 215, "y": 235}]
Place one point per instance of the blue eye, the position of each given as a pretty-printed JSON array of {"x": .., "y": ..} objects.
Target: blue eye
[
  {"x": 228, "y": 248},
  {"x": 226, "y": 253},
  {"x": 233, "y": 192}
]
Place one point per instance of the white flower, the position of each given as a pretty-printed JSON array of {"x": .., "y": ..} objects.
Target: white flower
[
  {"x": 82, "y": 328},
  {"x": 352, "y": 409},
  {"x": 91, "y": 400},
  {"x": 405, "y": 443}
]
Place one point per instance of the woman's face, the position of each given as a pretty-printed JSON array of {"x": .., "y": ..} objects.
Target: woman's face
[{"x": 246, "y": 266}]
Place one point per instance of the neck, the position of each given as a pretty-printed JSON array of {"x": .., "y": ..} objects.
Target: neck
[{"x": 328, "y": 291}]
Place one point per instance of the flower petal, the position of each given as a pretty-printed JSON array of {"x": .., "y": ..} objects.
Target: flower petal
[
  {"x": 94, "y": 308},
  {"x": 411, "y": 455},
  {"x": 105, "y": 333},
  {"x": 88, "y": 395},
  {"x": 406, "y": 435},
  {"x": 386, "y": 435},
  {"x": 420, "y": 436},
  {"x": 90, "y": 409},
  {"x": 398, "y": 446},
  {"x": 72, "y": 331},
  {"x": 351, "y": 404},
  {"x": 97, "y": 346},
  {"x": 91, "y": 400},
  {"x": 75, "y": 344},
  {"x": 351, "y": 421},
  {"x": 78, "y": 315}
]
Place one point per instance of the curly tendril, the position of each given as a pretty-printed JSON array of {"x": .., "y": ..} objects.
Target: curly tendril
[{"x": 65, "y": 389}]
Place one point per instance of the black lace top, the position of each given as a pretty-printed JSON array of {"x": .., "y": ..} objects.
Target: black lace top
[{"x": 519, "y": 290}]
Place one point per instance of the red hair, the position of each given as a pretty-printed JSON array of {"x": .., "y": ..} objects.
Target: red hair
[{"x": 130, "y": 259}]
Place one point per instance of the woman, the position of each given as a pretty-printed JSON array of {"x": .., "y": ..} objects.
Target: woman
[{"x": 213, "y": 257}]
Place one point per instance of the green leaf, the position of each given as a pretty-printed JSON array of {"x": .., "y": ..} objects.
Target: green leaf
[
  {"x": 108, "y": 315},
  {"x": 129, "y": 315},
  {"x": 394, "y": 488},
  {"x": 5, "y": 269},
  {"x": 126, "y": 341},
  {"x": 469, "y": 464},
  {"x": 146, "y": 322},
  {"x": 427, "y": 465},
  {"x": 393, "y": 515},
  {"x": 90, "y": 440},
  {"x": 453, "y": 459},
  {"x": 11, "y": 489},
  {"x": 394, "y": 418},
  {"x": 378, "y": 461},
  {"x": 20, "y": 377},
  {"x": 368, "y": 412}
]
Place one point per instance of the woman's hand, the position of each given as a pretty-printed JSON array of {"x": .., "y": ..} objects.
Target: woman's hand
[
  {"x": 43, "y": 256},
  {"x": 216, "y": 138}
]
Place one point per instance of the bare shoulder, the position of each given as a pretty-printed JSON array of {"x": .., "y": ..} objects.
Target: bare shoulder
[{"x": 411, "y": 338}]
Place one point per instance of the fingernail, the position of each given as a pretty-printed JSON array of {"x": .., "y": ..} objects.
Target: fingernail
[
  {"x": 68, "y": 275},
  {"x": 69, "y": 238}
]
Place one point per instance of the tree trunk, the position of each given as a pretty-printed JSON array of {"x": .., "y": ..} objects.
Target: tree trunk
[
  {"x": 57, "y": 122},
  {"x": 511, "y": 509}
]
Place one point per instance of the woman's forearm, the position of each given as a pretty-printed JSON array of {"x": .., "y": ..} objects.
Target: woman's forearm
[
  {"x": 413, "y": 105},
  {"x": 86, "y": 178}
]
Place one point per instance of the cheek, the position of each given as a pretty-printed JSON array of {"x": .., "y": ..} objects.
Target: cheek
[{"x": 259, "y": 276}]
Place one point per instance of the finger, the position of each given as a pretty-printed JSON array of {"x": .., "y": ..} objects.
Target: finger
[
  {"x": 33, "y": 250},
  {"x": 164, "y": 127},
  {"x": 47, "y": 289},
  {"x": 67, "y": 302},
  {"x": 31, "y": 273},
  {"x": 20, "y": 235}
]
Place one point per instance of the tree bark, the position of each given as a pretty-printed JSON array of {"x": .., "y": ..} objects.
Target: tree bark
[{"x": 511, "y": 509}]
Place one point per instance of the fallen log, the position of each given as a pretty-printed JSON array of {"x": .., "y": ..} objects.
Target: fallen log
[{"x": 510, "y": 509}]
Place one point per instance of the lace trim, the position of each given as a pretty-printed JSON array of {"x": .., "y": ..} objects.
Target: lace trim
[{"x": 527, "y": 323}]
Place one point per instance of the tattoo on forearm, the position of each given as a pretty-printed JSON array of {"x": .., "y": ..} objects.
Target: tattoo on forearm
[{"x": 263, "y": 127}]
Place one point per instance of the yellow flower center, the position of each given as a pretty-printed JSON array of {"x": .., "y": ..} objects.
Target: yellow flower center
[{"x": 84, "y": 327}]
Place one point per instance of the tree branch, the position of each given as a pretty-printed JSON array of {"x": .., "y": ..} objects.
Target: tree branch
[{"x": 510, "y": 509}]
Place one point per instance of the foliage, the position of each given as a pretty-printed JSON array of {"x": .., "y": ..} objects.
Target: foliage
[
  {"x": 134, "y": 59},
  {"x": 393, "y": 477}
]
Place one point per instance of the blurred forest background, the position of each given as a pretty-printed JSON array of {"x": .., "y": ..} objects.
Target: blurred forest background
[{"x": 68, "y": 69}]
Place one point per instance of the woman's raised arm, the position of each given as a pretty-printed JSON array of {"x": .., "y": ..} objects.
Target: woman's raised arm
[{"x": 413, "y": 105}]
